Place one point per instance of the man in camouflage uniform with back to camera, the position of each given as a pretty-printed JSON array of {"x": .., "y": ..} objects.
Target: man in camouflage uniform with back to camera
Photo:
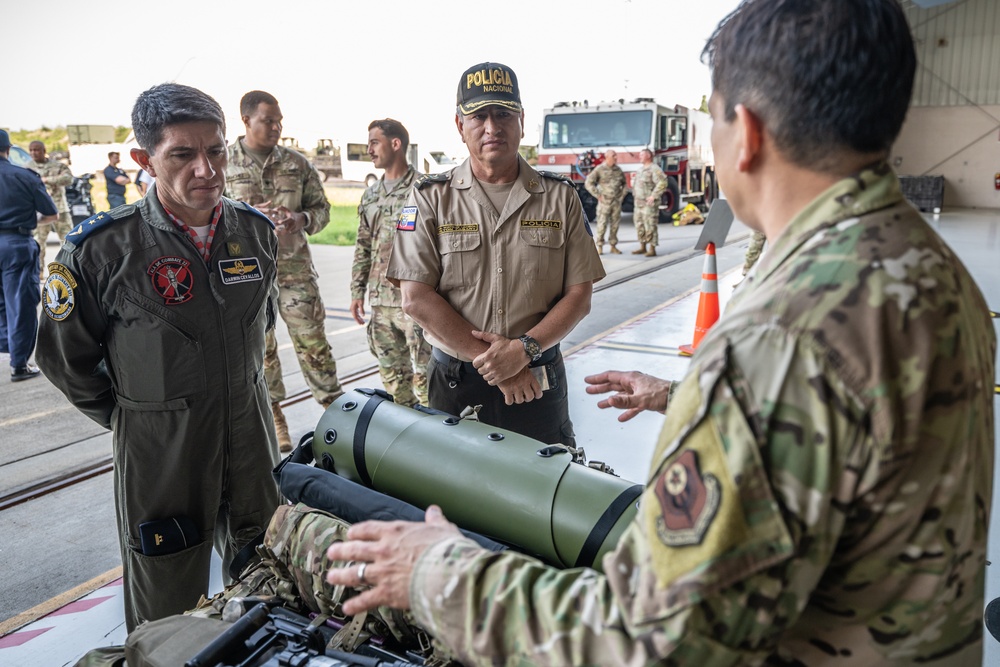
[
  {"x": 284, "y": 186},
  {"x": 607, "y": 183},
  {"x": 154, "y": 324},
  {"x": 648, "y": 185},
  {"x": 820, "y": 491},
  {"x": 394, "y": 338},
  {"x": 56, "y": 177}
]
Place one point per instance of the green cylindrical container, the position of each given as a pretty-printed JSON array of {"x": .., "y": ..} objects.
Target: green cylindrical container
[{"x": 504, "y": 485}]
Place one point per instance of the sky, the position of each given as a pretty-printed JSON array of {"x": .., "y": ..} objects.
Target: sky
[{"x": 335, "y": 66}]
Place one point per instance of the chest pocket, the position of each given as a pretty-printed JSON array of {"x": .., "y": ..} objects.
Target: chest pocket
[
  {"x": 158, "y": 361},
  {"x": 542, "y": 252},
  {"x": 287, "y": 180},
  {"x": 459, "y": 259}
]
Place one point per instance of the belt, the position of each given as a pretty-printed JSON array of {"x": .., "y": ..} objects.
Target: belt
[
  {"x": 21, "y": 231},
  {"x": 443, "y": 358}
]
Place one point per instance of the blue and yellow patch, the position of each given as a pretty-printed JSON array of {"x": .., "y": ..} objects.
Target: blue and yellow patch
[
  {"x": 244, "y": 269},
  {"x": 407, "y": 221},
  {"x": 58, "y": 296}
]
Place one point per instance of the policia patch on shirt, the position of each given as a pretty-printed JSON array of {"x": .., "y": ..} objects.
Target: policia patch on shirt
[
  {"x": 542, "y": 224},
  {"x": 58, "y": 299}
]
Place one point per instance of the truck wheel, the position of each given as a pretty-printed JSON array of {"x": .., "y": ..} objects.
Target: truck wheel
[
  {"x": 370, "y": 180},
  {"x": 628, "y": 204},
  {"x": 670, "y": 201},
  {"x": 710, "y": 190},
  {"x": 323, "y": 175}
]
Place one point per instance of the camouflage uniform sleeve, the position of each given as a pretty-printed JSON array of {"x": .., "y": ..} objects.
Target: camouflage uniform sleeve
[
  {"x": 659, "y": 182},
  {"x": 70, "y": 339},
  {"x": 63, "y": 176},
  {"x": 709, "y": 582},
  {"x": 592, "y": 182},
  {"x": 362, "y": 255},
  {"x": 314, "y": 203}
]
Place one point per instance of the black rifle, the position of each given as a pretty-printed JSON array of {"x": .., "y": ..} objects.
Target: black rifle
[{"x": 269, "y": 636}]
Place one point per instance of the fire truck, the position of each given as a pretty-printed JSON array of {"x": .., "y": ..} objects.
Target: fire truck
[{"x": 574, "y": 137}]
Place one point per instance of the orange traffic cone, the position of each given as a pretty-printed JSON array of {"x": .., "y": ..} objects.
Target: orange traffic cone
[{"x": 708, "y": 302}]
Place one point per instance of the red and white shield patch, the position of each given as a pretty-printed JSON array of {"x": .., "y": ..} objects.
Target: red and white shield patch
[{"x": 688, "y": 501}]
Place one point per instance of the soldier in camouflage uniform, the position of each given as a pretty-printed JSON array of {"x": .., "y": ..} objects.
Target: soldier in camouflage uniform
[
  {"x": 56, "y": 177},
  {"x": 820, "y": 491},
  {"x": 607, "y": 183},
  {"x": 284, "y": 186},
  {"x": 648, "y": 185},
  {"x": 395, "y": 339},
  {"x": 754, "y": 250}
]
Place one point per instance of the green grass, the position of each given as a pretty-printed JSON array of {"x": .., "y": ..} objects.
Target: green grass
[{"x": 343, "y": 227}]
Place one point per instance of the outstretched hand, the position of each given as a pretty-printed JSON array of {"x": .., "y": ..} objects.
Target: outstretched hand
[{"x": 636, "y": 392}]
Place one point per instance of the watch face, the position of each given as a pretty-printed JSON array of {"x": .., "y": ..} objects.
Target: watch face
[{"x": 531, "y": 347}]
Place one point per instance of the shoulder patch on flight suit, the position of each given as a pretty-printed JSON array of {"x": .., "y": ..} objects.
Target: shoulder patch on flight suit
[
  {"x": 247, "y": 207},
  {"x": 98, "y": 221},
  {"x": 556, "y": 177},
  {"x": 428, "y": 179},
  {"x": 58, "y": 297}
]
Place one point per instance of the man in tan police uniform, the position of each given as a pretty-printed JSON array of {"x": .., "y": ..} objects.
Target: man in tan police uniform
[{"x": 497, "y": 263}]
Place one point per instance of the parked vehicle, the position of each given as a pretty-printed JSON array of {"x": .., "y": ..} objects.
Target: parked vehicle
[{"x": 574, "y": 137}]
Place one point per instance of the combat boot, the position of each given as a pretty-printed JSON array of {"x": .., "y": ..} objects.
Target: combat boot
[
  {"x": 615, "y": 250},
  {"x": 652, "y": 251},
  {"x": 641, "y": 250},
  {"x": 281, "y": 428},
  {"x": 600, "y": 248}
]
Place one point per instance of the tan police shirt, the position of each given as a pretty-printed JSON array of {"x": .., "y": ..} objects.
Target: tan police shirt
[{"x": 503, "y": 272}]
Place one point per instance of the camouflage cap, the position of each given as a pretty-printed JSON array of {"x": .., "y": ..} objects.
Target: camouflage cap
[
  {"x": 4, "y": 140},
  {"x": 485, "y": 84}
]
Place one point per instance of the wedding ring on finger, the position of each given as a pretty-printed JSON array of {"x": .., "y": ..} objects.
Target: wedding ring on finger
[{"x": 361, "y": 573}]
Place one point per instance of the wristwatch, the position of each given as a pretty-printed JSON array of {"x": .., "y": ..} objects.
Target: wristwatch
[{"x": 531, "y": 347}]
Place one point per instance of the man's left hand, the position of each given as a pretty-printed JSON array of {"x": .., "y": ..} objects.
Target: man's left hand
[
  {"x": 287, "y": 221},
  {"x": 389, "y": 551},
  {"x": 504, "y": 358}
]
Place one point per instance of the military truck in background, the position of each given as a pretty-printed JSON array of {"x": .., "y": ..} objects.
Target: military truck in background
[{"x": 574, "y": 137}]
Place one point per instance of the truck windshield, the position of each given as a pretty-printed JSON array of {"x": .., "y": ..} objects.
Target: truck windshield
[{"x": 604, "y": 128}]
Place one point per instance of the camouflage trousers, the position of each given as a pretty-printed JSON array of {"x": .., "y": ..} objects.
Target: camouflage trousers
[
  {"x": 608, "y": 217},
  {"x": 61, "y": 226},
  {"x": 754, "y": 251},
  {"x": 402, "y": 353},
  {"x": 301, "y": 307},
  {"x": 647, "y": 219}
]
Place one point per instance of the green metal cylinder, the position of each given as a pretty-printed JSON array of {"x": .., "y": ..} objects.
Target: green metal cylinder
[{"x": 492, "y": 481}]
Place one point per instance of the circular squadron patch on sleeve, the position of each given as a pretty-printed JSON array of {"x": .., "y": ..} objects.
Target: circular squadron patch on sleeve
[{"x": 57, "y": 298}]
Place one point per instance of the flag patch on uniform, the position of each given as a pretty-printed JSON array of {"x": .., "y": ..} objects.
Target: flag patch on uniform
[
  {"x": 407, "y": 219},
  {"x": 240, "y": 270}
]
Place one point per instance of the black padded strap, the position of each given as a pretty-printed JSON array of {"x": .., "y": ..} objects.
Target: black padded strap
[
  {"x": 244, "y": 555},
  {"x": 360, "y": 434},
  {"x": 604, "y": 525}
]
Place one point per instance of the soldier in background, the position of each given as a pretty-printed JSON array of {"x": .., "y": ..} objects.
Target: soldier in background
[
  {"x": 754, "y": 250},
  {"x": 607, "y": 183},
  {"x": 648, "y": 185},
  {"x": 821, "y": 489},
  {"x": 56, "y": 177},
  {"x": 284, "y": 186},
  {"x": 115, "y": 179},
  {"x": 394, "y": 338}
]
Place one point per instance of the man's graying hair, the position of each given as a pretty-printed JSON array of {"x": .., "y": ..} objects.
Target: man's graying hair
[
  {"x": 823, "y": 77},
  {"x": 171, "y": 104}
]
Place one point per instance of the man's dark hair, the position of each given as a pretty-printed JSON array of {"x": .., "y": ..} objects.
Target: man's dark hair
[
  {"x": 823, "y": 77},
  {"x": 116, "y": 152},
  {"x": 393, "y": 129},
  {"x": 171, "y": 104},
  {"x": 253, "y": 99}
]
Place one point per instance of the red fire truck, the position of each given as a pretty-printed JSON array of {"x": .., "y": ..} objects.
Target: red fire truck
[{"x": 574, "y": 137}]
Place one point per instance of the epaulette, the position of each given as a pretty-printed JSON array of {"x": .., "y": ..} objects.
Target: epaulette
[
  {"x": 98, "y": 221},
  {"x": 427, "y": 179},
  {"x": 556, "y": 177},
  {"x": 247, "y": 207}
]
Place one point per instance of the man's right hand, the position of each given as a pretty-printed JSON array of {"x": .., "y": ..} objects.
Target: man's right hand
[
  {"x": 358, "y": 310},
  {"x": 636, "y": 392},
  {"x": 522, "y": 387}
]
